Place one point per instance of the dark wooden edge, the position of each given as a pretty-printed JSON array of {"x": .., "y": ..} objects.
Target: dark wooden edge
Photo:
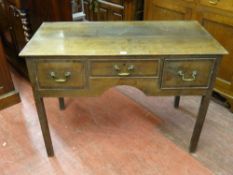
[
  {"x": 61, "y": 103},
  {"x": 9, "y": 99},
  {"x": 176, "y": 101}
]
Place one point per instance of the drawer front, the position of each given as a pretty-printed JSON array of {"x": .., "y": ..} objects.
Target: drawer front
[
  {"x": 221, "y": 4},
  {"x": 124, "y": 68},
  {"x": 61, "y": 74},
  {"x": 187, "y": 73}
]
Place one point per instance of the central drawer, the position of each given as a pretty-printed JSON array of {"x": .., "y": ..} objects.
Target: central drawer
[{"x": 124, "y": 68}]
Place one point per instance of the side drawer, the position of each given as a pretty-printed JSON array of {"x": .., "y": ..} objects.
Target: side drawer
[
  {"x": 61, "y": 74},
  {"x": 124, "y": 68},
  {"x": 220, "y": 4},
  {"x": 187, "y": 73}
]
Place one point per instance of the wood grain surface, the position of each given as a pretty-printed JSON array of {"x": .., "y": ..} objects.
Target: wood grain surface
[{"x": 121, "y": 38}]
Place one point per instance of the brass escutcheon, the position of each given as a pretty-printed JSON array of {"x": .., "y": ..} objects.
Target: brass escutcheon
[
  {"x": 130, "y": 68},
  {"x": 214, "y": 2}
]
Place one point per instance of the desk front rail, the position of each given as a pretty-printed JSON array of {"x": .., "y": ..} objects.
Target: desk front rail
[{"x": 182, "y": 75}]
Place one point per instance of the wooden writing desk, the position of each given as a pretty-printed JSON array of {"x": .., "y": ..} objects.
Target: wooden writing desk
[{"x": 159, "y": 58}]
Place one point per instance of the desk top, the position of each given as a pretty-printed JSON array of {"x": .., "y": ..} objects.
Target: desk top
[{"x": 122, "y": 38}]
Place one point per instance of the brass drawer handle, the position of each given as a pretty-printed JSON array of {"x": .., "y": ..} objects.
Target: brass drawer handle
[
  {"x": 60, "y": 80},
  {"x": 214, "y": 2},
  {"x": 130, "y": 68},
  {"x": 194, "y": 75},
  {"x": 1, "y": 87},
  {"x": 123, "y": 74}
]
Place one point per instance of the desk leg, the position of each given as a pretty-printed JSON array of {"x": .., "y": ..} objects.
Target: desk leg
[
  {"x": 177, "y": 101},
  {"x": 44, "y": 125},
  {"x": 61, "y": 103},
  {"x": 199, "y": 122}
]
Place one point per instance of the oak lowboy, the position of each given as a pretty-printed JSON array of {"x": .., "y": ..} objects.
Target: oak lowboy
[{"x": 159, "y": 58}]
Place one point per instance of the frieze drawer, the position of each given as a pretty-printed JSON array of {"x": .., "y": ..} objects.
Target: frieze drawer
[
  {"x": 124, "y": 68},
  {"x": 186, "y": 73},
  {"x": 220, "y": 4},
  {"x": 61, "y": 74}
]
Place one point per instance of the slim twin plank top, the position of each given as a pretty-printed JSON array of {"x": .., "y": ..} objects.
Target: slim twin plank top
[
  {"x": 171, "y": 58},
  {"x": 116, "y": 38}
]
